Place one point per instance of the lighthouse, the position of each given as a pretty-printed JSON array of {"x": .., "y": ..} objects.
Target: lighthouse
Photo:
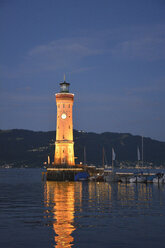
[{"x": 64, "y": 145}]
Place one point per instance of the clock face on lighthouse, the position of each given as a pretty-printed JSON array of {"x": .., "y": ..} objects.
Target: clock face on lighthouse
[{"x": 63, "y": 116}]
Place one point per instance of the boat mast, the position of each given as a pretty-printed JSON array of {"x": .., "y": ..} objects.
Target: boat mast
[
  {"x": 112, "y": 159},
  {"x": 138, "y": 155},
  {"x": 84, "y": 155},
  {"x": 103, "y": 155},
  {"x": 142, "y": 151}
]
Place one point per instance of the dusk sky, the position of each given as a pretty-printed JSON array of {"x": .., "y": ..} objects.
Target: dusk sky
[{"x": 113, "y": 55}]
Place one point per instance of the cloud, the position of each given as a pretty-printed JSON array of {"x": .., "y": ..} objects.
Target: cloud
[
  {"x": 145, "y": 43},
  {"x": 141, "y": 43},
  {"x": 79, "y": 47},
  {"x": 144, "y": 48},
  {"x": 68, "y": 54},
  {"x": 62, "y": 53}
]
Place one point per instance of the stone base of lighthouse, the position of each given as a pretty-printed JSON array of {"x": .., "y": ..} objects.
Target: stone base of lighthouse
[
  {"x": 63, "y": 172},
  {"x": 64, "y": 153}
]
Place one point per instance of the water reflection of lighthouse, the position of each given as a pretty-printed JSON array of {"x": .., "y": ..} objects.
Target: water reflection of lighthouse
[{"x": 60, "y": 199}]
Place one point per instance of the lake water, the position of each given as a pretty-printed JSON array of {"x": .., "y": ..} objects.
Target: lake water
[{"x": 41, "y": 214}]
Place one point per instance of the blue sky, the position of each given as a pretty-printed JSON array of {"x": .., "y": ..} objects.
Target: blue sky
[{"x": 112, "y": 52}]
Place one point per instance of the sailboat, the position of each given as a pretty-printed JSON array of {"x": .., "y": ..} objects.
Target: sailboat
[
  {"x": 100, "y": 177},
  {"x": 82, "y": 176},
  {"x": 109, "y": 173},
  {"x": 104, "y": 160},
  {"x": 138, "y": 178},
  {"x": 159, "y": 178}
]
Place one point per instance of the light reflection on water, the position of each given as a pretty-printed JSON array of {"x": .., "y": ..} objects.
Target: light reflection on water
[
  {"x": 61, "y": 198},
  {"x": 76, "y": 206},
  {"x": 78, "y": 214}
]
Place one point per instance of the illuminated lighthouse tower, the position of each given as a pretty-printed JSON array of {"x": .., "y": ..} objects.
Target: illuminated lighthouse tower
[{"x": 64, "y": 145}]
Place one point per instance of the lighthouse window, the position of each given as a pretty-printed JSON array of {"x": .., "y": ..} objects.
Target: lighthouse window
[
  {"x": 69, "y": 105},
  {"x": 63, "y": 105},
  {"x": 69, "y": 127},
  {"x": 63, "y": 151}
]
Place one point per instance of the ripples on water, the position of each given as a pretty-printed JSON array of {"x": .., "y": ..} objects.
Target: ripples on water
[{"x": 75, "y": 214}]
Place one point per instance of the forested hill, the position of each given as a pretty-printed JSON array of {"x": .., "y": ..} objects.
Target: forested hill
[{"x": 24, "y": 147}]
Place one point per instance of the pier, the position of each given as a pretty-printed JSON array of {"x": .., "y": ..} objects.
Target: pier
[
  {"x": 63, "y": 173},
  {"x": 68, "y": 173}
]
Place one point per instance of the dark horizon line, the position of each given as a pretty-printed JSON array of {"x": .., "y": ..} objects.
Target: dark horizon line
[{"x": 82, "y": 131}]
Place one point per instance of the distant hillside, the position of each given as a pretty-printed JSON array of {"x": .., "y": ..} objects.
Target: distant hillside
[{"x": 23, "y": 147}]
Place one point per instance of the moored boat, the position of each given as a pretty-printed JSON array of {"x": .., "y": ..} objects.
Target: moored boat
[
  {"x": 160, "y": 178},
  {"x": 81, "y": 176},
  {"x": 150, "y": 178},
  {"x": 110, "y": 177},
  {"x": 138, "y": 179}
]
